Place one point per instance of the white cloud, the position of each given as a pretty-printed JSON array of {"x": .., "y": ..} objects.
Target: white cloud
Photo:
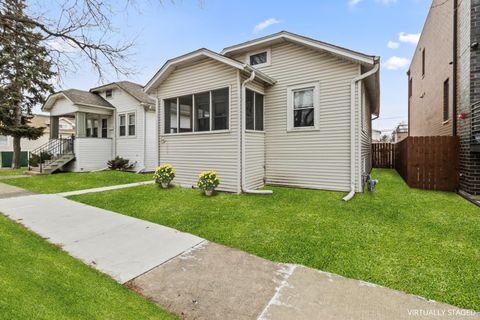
[
  {"x": 265, "y": 24},
  {"x": 395, "y": 63},
  {"x": 409, "y": 37},
  {"x": 353, "y": 3},
  {"x": 393, "y": 45}
]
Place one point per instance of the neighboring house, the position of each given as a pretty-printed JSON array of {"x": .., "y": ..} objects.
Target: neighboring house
[
  {"x": 443, "y": 83},
  {"x": 117, "y": 119},
  {"x": 279, "y": 110},
  {"x": 376, "y": 135},
  {"x": 400, "y": 132},
  {"x": 66, "y": 129}
]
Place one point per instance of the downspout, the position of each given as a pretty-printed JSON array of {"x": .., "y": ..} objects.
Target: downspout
[
  {"x": 455, "y": 66},
  {"x": 243, "y": 144},
  {"x": 353, "y": 86}
]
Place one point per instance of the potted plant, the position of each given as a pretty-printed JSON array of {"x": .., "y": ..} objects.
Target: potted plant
[
  {"x": 208, "y": 181},
  {"x": 164, "y": 174}
]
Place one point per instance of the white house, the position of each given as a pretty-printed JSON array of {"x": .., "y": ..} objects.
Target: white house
[
  {"x": 117, "y": 119},
  {"x": 279, "y": 110}
]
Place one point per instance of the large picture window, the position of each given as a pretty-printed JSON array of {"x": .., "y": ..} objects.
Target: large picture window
[
  {"x": 303, "y": 107},
  {"x": 253, "y": 110},
  {"x": 200, "y": 112}
]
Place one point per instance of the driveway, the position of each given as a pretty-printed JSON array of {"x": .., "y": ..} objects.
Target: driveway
[{"x": 197, "y": 279}]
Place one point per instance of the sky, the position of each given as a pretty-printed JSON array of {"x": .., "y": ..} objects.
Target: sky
[{"x": 163, "y": 30}]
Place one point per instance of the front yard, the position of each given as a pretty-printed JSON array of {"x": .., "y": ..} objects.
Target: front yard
[
  {"x": 63, "y": 182},
  {"x": 12, "y": 172},
  {"x": 422, "y": 242},
  {"x": 39, "y": 281}
]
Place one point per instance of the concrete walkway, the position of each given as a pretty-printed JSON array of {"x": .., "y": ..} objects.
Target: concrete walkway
[
  {"x": 196, "y": 279},
  {"x": 101, "y": 189},
  {"x": 8, "y": 191}
]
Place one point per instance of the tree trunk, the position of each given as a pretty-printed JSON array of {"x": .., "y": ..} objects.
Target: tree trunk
[
  {"x": 16, "y": 153},
  {"x": 16, "y": 140}
]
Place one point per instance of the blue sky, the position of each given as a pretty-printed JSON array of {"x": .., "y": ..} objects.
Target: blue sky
[{"x": 387, "y": 28}]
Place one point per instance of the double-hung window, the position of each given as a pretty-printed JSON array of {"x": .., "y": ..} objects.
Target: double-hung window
[
  {"x": 122, "y": 119},
  {"x": 303, "y": 107},
  {"x": 199, "y": 112},
  {"x": 253, "y": 110},
  {"x": 104, "y": 128},
  {"x": 127, "y": 124},
  {"x": 131, "y": 124}
]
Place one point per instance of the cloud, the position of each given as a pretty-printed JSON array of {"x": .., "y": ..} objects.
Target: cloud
[
  {"x": 393, "y": 44},
  {"x": 395, "y": 63},
  {"x": 265, "y": 24},
  {"x": 409, "y": 37},
  {"x": 353, "y": 3}
]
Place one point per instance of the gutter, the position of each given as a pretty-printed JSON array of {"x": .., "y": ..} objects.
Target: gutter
[
  {"x": 353, "y": 86},
  {"x": 242, "y": 135}
]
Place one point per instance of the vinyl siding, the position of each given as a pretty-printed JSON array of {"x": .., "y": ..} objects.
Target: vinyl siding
[
  {"x": 312, "y": 159},
  {"x": 366, "y": 138},
  {"x": 192, "y": 153},
  {"x": 91, "y": 154},
  {"x": 150, "y": 142},
  {"x": 255, "y": 159}
]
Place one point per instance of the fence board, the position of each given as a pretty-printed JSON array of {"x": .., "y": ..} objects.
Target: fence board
[{"x": 423, "y": 162}]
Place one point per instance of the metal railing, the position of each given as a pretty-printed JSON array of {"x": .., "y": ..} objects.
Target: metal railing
[{"x": 51, "y": 151}]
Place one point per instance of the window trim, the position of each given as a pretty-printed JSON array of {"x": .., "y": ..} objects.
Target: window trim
[
  {"x": 260, "y": 65},
  {"x": 210, "y": 131},
  {"x": 127, "y": 123},
  {"x": 255, "y": 92},
  {"x": 316, "y": 106}
]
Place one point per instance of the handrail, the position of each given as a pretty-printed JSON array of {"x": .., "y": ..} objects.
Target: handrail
[{"x": 51, "y": 151}]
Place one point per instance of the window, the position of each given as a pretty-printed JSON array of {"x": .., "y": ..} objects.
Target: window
[
  {"x": 259, "y": 58},
  {"x": 446, "y": 100},
  {"x": 123, "y": 126},
  {"x": 220, "y": 109},
  {"x": 131, "y": 124},
  {"x": 104, "y": 128},
  {"x": 89, "y": 127},
  {"x": 95, "y": 128},
  {"x": 423, "y": 62},
  {"x": 303, "y": 105},
  {"x": 199, "y": 112},
  {"x": 3, "y": 140},
  {"x": 108, "y": 93},
  {"x": 253, "y": 110},
  {"x": 410, "y": 87}
]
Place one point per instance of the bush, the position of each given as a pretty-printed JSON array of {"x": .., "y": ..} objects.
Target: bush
[
  {"x": 35, "y": 161},
  {"x": 120, "y": 164},
  {"x": 208, "y": 180},
  {"x": 164, "y": 174}
]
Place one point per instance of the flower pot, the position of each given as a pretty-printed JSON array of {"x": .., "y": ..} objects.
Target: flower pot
[
  {"x": 165, "y": 185},
  {"x": 208, "y": 193}
]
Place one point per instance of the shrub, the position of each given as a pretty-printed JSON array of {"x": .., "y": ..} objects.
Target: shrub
[
  {"x": 35, "y": 161},
  {"x": 208, "y": 180},
  {"x": 120, "y": 163},
  {"x": 164, "y": 174}
]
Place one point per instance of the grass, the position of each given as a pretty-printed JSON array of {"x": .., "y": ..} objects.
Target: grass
[
  {"x": 12, "y": 172},
  {"x": 422, "y": 242},
  {"x": 40, "y": 281},
  {"x": 62, "y": 182}
]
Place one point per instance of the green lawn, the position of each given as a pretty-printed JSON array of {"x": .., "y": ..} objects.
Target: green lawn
[
  {"x": 40, "y": 281},
  {"x": 12, "y": 172},
  {"x": 421, "y": 242},
  {"x": 62, "y": 182}
]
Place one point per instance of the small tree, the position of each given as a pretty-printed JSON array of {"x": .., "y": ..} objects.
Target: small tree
[{"x": 25, "y": 73}]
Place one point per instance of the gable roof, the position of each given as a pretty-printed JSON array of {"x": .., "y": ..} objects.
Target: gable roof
[
  {"x": 79, "y": 97},
  {"x": 309, "y": 42},
  {"x": 171, "y": 64},
  {"x": 132, "y": 88}
]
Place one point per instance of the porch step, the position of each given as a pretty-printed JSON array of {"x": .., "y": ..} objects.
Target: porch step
[{"x": 58, "y": 164}]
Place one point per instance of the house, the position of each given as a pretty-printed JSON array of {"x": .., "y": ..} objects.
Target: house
[
  {"x": 116, "y": 119},
  {"x": 400, "y": 132},
  {"x": 443, "y": 80},
  {"x": 279, "y": 110},
  {"x": 66, "y": 129},
  {"x": 376, "y": 135}
]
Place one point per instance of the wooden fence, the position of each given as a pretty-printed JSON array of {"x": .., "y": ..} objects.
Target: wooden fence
[
  {"x": 423, "y": 162},
  {"x": 383, "y": 155}
]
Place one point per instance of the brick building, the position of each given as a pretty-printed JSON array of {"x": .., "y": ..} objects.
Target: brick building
[{"x": 444, "y": 83}]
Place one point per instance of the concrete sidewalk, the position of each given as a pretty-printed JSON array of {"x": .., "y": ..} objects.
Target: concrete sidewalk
[
  {"x": 196, "y": 279},
  {"x": 8, "y": 191}
]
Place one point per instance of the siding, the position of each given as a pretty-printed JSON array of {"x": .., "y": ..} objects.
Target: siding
[
  {"x": 193, "y": 153},
  {"x": 314, "y": 159},
  {"x": 150, "y": 142},
  {"x": 91, "y": 154},
  {"x": 255, "y": 159},
  {"x": 366, "y": 137}
]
